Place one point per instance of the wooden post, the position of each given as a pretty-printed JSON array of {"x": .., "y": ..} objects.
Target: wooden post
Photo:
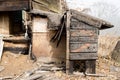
[
  {"x": 91, "y": 66},
  {"x": 1, "y": 47},
  {"x": 67, "y": 42},
  {"x": 71, "y": 67}
]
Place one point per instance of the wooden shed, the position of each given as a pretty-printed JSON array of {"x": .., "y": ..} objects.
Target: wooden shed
[
  {"x": 79, "y": 40},
  {"x": 43, "y": 20},
  {"x": 82, "y": 39}
]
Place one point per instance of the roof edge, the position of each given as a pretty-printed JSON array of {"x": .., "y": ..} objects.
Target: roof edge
[{"x": 93, "y": 21}]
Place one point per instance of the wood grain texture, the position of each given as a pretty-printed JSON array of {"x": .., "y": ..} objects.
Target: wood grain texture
[
  {"x": 84, "y": 32},
  {"x": 12, "y": 5},
  {"x": 75, "y": 25},
  {"x": 67, "y": 42},
  {"x": 91, "y": 66},
  {"x": 4, "y": 23},
  {"x": 83, "y": 47},
  {"x": 83, "y": 56},
  {"x": 95, "y": 22},
  {"x": 77, "y": 39},
  {"x": 47, "y": 5}
]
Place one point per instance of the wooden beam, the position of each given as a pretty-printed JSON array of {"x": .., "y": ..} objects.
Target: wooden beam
[
  {"x": 67, "y": 42},
  {"x": 13, "y": 5},
  {"x": 91, "y": 66},
  {"x": 71, "y": 67},
  {"x": 86, "y": 18},
  {"x": 83, "y": 56},
  {"x": 1, "y": 48}
]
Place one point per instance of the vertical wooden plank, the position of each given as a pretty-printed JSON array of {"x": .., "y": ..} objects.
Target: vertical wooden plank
[
  {"x": 71, "y": 67},
  {"x": 1, "y": 47},
  {"x": 90, "y": 66},
  {"x": 67, "y": 42}
]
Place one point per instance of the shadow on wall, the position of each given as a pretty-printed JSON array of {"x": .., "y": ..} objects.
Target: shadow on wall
[
  {"x": 46, "y": 50},
  {"x": 60, "y": 51}
]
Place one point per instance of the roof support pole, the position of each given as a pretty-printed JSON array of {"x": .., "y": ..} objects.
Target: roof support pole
[{"x": 67, "y": 42}]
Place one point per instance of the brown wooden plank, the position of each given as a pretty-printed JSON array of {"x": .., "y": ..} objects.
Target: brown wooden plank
[
  {"x": 71, "y": 67},
  {"x": 83, "y": 39},
  {"x": 83, "y": 56},
  {"x": 67, "y": 42},
  {"x": 91, "y": 66},
  {"x": 47, "y": 5},
  {"x": 4, "y": 23},
  {"x": 86, "y": 18},
  {"x": 96, "y": 22},
  {"x": 75, "y": 25},
  {"x": 84, "y": 32},
  {"x": 1, "y": 47},
  {"x": 83, "y": 47},
  {"x": 12, "y": 5}
]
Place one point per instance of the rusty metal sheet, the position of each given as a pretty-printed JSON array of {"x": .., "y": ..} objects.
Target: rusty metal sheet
[
  {"x": 84, "y": 32},
  {"x": 83, "y": 56},
  {"x": 13, "y": 5},
  {"x": 83, "y": 39},
  {"x": 83, "y": 47}
]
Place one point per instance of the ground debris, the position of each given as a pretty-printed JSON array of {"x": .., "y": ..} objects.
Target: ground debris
[
  {"x": 6, "y": 78},
  {"x": 43, "y": 72},
  {"x": 2, "y": 68}
]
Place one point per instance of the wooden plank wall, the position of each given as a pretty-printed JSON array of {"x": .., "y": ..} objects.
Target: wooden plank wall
[
  {"x": 4, "y": 23},
  {"x": 47, "y": 5},
  {"x": 12, "y": 5},
  {"x": 83, "y": 41},
  {"x": 83, "y": 45}
]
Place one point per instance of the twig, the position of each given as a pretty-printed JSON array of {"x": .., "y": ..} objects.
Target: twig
[
  {"x": 96, "y": 75},
  {"x": 7, "y": 77}
]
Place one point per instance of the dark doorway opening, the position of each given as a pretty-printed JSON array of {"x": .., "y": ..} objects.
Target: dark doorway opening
[{"x": 16, "y": 26}]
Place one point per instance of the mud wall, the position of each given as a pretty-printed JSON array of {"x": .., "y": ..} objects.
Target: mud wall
[{"x": 42, "y": 47}]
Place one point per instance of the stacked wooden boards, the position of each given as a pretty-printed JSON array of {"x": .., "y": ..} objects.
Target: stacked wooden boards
[{"x": 83, "y": 41}]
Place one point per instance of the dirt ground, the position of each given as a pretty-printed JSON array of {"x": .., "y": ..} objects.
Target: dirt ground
[
  {"x": 16, "y": 64},
  {"x": 106, "y": 69}
]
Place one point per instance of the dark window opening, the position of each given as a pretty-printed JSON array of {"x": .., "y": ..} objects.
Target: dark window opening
[{"x": 16, "y": 26}]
